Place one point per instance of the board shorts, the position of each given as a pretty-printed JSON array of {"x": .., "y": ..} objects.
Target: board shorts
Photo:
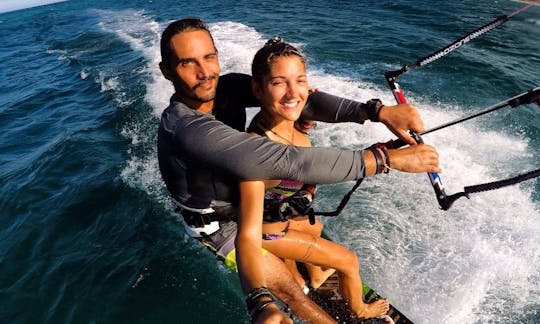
[{"x": 221, "y": 242}]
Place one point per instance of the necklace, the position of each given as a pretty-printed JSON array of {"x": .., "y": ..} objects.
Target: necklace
[{"x": 291, "y": 141}]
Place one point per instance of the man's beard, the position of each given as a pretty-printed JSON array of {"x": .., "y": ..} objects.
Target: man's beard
[
  {"x": 201, "y": 99},
  {"x": 208, "y": 97},
  {"x": 191, "y": 93}
]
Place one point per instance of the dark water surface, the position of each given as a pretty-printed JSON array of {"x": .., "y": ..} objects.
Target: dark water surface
[{"x": 86, "y": 230}]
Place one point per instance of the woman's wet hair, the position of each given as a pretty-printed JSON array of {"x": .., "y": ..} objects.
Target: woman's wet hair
[
  {"x": 168, "y": 57},
  {"x": 272, "y": 50}
]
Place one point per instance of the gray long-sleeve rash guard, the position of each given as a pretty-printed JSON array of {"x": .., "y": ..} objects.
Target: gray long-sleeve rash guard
[{"x": 194, "y": 149}]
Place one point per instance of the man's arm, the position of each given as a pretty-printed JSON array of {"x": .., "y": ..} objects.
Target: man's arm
[
  {"x": 212, "y": 143},
  {"x": 399, "y": 119},
  {"x": 254, "y": 157},
  {"x": 328, "y": 108}
]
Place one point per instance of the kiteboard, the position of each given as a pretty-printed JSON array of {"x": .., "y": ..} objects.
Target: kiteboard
[{"x": 329, "y": 298}]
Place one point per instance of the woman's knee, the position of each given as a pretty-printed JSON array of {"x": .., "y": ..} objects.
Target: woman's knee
[
  {"x": 350, "y": 261},
  {"x": 317, "y": 227}
]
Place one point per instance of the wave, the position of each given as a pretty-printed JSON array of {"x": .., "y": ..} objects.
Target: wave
[
  {"x": 426, "y": 260},
  {"x": 14, "y": 5}
]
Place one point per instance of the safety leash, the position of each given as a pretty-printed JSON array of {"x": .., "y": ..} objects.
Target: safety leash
[{"x": 342, "y": 203}]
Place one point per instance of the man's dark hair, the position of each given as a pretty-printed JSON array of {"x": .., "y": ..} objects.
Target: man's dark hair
[{"x": 168, "y": 57}]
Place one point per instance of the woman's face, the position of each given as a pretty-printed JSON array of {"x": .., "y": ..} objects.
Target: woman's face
[{"x": 284, "y": 90}]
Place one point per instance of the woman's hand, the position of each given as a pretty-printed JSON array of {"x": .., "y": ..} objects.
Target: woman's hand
[{"x": 273, "y": 315}]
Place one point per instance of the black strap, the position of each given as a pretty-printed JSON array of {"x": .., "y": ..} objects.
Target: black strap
[
  {"x": 221, "y": 214},
  {"x": 256, "y": 127},
  {"x": 502, "y": 183},
  {"x": 467, "y": 190},
  {"x": 449, "y": 200},
  {"x": 343, "y": 202}
]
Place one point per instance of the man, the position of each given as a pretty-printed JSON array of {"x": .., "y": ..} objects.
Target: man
[{"x": 190, "y": 138}]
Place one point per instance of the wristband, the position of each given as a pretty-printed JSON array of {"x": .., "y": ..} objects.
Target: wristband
[{"x": 374, "y": 109}]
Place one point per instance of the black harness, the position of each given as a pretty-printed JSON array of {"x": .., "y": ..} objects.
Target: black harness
[
  {"x": 280, "y": 210},
  {"x": 194, "y": 218}
]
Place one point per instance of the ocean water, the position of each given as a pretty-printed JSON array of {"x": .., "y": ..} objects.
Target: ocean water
[{"x": 86, "y": 229}]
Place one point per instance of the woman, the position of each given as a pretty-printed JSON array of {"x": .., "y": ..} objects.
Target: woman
[{"x": 280, "y": 83}]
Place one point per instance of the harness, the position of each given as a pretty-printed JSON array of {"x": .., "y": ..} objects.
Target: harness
[
  {"x": 289, "y": 198},
  {"x": 281, "y": 204},
  {"x": 205, "y": 221}
]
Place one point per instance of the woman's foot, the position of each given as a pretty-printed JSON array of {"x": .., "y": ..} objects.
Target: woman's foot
[
  {"x": 374, "y": 309},
  {"x": 318, "y": 277}
]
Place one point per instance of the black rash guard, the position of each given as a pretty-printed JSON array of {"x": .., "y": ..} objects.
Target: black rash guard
[{"x": 201, "y": 158}]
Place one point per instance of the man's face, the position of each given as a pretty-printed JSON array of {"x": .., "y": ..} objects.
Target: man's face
[{"x": 197, "y": 67}]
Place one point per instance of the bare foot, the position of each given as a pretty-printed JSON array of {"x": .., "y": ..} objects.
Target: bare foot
[
  {"x": 374, "y": 309},
  {"x": 319, "y": 276},
  {"x": 387, "y": 319},
  {"x": 300, "y": 280}
]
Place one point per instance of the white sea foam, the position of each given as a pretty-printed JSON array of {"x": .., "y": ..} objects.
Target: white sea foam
[
  {"x": 142, "y": 34},
  {"x": 434, "y": 262},
  {"x": 12, "y": 5},
  {"x": 110, "y": 84},
  {"x": 444, "y": 267},
  {"x": 62, "y": 54},
  {"x": 107, "y": 82},
  {"x": 534, "y": 21},
  {"x": 234, "y": 55}
]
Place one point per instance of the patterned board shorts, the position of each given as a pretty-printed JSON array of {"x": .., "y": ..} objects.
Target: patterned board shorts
[{"x": 221, "y": 243}]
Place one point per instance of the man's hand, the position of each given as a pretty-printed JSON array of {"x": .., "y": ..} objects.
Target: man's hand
[
  {"x": 416, "y": 158},
  {"x": 400, "y": 119}
]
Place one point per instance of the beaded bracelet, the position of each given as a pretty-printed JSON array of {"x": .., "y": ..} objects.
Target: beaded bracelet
[
  {"x": 382, "y": 159},
  {"x": 255, "y": 307},
  {"x": 255, "y": 313},
  {"x": 378, "y": 161}
]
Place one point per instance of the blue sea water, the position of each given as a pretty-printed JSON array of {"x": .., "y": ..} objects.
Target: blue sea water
[{"x": 86, "y": 229}]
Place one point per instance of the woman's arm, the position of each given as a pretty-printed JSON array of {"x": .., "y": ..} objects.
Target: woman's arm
[
  {"x": 249, "y": 237},
  {"x": 249, "y": 255}
]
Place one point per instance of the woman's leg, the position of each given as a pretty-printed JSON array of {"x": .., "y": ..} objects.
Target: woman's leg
[
  {"x": 304, "y": 247},
  {"x": 317, "y": 275}
]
